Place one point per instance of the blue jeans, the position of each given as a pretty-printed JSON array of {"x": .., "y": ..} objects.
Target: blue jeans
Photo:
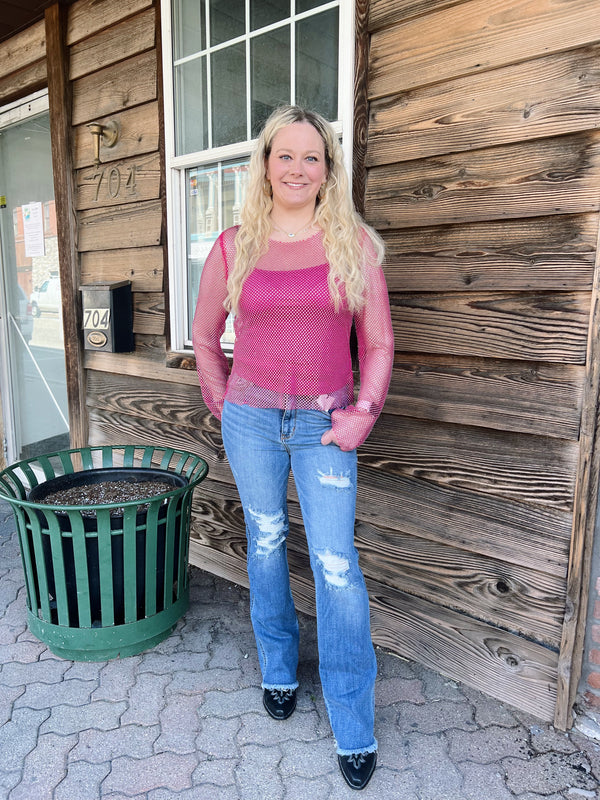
[{"x": 262, "y": 445}]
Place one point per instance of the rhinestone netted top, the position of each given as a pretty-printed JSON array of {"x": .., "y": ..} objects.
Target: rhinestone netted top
[{"x": 291, "y": 346}]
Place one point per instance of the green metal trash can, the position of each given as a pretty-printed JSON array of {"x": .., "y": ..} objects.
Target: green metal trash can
[{"x": 104, "y": 579}]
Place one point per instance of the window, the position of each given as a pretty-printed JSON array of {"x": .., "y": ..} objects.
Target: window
[{"x": 227, "y": 66}]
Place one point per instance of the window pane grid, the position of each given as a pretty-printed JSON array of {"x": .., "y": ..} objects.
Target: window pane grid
[
  {"x": 223, "y": 90},
  {"x": 252, "y": 33},
  {"x": 246, "y": 102}
]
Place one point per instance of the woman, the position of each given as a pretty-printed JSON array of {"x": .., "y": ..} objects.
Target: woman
[{"x": 297, "y": 271}]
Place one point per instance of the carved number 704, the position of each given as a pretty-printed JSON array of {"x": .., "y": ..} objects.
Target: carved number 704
[{"x": 114, "y": 182}]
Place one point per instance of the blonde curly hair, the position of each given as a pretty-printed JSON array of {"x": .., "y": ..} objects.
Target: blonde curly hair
[{"x": 344, "y": 231}]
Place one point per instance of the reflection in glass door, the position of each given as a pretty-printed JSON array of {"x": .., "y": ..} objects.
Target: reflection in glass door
[{"x": 33, "y": 380}]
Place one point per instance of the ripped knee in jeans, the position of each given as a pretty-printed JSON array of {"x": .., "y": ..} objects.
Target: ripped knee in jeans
[
  {"x": 272, "y": 530},
  {"x": 335, "y": 569}
]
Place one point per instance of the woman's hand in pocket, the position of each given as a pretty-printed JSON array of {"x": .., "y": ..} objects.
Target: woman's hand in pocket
[{"x": 329, "y": 437}]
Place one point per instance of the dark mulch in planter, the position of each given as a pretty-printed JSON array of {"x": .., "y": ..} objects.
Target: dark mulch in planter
[{"x": 93, "y": 494}]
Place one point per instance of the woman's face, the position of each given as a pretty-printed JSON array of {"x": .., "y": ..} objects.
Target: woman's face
[{"x": 296, "y": 167}]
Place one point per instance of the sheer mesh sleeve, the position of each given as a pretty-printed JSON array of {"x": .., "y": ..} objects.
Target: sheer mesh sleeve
[
  {"x": 375, "y": 336},
  {"x": 208, "y": 327}
]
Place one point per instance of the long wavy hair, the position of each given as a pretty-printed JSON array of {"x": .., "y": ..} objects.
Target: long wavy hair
[{"x": 344, "y": 231}]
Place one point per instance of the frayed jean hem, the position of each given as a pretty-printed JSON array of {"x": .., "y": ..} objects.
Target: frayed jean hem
[
  {"x": 371, "y": 749},
  {"x": 280, "y": 686}
]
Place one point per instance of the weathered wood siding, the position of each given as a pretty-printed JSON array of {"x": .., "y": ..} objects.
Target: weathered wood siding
[
  {"x": 23, "y": 63},
  {"x": 482, "y": 159},
  {"x": 483, "y": 176},
  {"x": 114, "y": 64}
]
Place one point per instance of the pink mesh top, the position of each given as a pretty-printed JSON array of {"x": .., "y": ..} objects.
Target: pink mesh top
[{"x": 291, "y": 347}]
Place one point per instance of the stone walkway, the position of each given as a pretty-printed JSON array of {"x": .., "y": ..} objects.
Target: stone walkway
[{"x": 185, "y": 721}]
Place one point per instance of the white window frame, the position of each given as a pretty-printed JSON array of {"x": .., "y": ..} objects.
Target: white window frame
[{"x": 176, "y": 166}]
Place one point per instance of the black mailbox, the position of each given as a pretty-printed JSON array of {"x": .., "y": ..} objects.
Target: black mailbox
[{"x": 107, "y": 317}]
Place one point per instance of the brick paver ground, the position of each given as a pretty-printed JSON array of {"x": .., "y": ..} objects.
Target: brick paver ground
[{"x": 185, "y": 721}]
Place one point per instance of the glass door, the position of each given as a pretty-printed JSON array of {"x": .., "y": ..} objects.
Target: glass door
[{"x": 33, "y": 379}]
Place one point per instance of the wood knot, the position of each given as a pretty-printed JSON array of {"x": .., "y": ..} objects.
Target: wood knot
[
  {"x": 430, "y": 191},
  {"x": 510, "y": 659}
]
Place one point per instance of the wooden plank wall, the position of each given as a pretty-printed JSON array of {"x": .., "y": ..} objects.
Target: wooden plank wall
[
  {"x": 23, "y": 63},
  {"x": 483, "y": 175},
  {"x": 113, "y": 69}
]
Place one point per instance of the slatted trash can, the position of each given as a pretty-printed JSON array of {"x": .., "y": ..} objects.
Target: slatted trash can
[{"x": 104, "y": 579}]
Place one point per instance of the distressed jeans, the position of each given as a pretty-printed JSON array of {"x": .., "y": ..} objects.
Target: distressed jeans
[{"x": 262, "y": 445}]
